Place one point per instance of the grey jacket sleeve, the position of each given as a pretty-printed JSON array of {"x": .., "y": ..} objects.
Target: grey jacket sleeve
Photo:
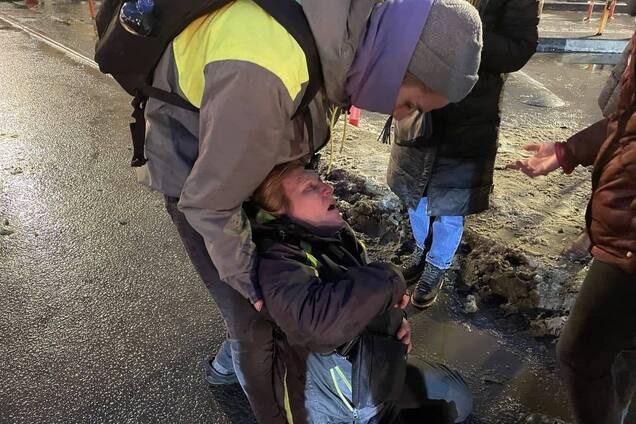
[{"x": 245, "y": 113}]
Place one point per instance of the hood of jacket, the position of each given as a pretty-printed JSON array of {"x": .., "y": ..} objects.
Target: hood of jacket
[{"x": 338, "y": 26}]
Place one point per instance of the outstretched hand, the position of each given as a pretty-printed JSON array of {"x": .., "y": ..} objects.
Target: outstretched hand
[{"x": 543, "y": 162}]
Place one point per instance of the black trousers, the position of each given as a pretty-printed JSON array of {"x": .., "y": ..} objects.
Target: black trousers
[
  {"x": 432, "y": 393},
  {"x": 596, "y": 350},
  {"x": 250, "y": 333}
]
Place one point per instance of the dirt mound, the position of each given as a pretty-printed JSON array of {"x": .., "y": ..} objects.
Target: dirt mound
[
  {"x": 494, "y": 270},
  {"x": 521, "y": 283}
]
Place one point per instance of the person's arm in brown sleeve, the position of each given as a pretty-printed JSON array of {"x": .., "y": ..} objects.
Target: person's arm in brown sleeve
[{"x": 582, "y": 148}]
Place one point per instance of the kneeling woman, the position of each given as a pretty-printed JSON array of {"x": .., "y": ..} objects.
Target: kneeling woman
[{"x": 341, "y": 339}]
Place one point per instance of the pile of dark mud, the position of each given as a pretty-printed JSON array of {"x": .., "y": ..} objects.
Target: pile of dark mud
[{"x": 485, "y": 271}]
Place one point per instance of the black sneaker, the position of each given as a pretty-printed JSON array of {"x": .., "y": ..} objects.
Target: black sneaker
[
  {"x": 217, "y": 378},
  {"x": 428, "y": 286},
  {"x": 414, "y": 266}
]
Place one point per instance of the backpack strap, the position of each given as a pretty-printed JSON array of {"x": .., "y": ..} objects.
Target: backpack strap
[
  {"x": 138, "y": 131},
  {"x": 138, "y": 127},
  {"x": 167, "y": 97},
  {"x": 289, "y": 13}
]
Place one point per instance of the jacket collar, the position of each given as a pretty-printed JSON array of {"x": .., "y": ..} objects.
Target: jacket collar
[{"x": 266, "y": 225}]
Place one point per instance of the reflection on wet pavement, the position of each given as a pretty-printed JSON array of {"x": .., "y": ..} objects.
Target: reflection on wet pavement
[
  {"x": 587, "y": 58},
  {"x": 508, "y": 371}
]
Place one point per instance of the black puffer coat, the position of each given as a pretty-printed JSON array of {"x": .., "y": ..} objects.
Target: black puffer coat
[{"x": 454, "y": 166}]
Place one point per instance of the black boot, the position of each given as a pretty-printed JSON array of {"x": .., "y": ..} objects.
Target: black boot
[
  {"x": 414, "y": 266},
  {"x": 428, "y": 286}
]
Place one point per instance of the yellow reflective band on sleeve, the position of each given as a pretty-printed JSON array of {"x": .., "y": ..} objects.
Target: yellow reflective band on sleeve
[
  {"x": 288, "y": 412},
  {"x": 240, "y": 31},
  {"x": 335, "y": 383}
]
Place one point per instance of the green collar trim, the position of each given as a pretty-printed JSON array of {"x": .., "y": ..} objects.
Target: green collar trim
[{"x": 262, "y": 217}]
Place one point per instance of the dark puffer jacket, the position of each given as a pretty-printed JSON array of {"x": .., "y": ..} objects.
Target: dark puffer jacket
[
  {"x": 321, "y": 293},
  {"x": 455, "y": 165}
]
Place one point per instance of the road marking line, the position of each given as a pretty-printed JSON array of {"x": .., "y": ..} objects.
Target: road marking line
[
  {"x": 47, "y": 40},
  {"x": 555, "y": 101}
]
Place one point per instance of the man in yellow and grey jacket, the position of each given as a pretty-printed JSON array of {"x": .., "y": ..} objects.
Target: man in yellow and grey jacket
[{"x": 247, "y": 75}]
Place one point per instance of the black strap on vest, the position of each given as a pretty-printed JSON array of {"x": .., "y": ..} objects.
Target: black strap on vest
[
  {"x": 138, "y": 127},
  {"x": 138, "y": 131},
  {"x": 167, "y": 97},
  {"x": 289, "y": 14}
]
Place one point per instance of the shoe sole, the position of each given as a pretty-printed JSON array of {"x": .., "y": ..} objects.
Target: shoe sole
[
  {"x": 215, "y": 378},
  {"x": 424, "y": 305}
]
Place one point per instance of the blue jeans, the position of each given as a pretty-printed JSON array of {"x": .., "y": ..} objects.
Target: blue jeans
[
  {"x": 447, "y": 233},
  {"x": 224, "y": 360}
]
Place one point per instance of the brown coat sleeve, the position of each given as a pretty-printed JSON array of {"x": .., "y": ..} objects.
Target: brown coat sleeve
[{"x": 583, "y": 147}]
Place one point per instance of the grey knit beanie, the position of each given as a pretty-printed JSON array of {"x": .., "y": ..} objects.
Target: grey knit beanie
[{"x": 448, "y": 52}]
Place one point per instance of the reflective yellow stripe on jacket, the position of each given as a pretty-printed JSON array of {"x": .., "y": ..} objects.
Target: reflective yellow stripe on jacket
[
  {"x": 240, "y": 31},
  {"x": 343, "y": 378},
  {"x": 286, "y": 403}
]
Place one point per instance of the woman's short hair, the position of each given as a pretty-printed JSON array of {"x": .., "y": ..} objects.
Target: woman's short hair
[{"x": 270, "y": 195}]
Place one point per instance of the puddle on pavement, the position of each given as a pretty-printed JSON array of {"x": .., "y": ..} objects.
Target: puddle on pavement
[
  {"x": 572, "y": 78},
  {"x": 509, "y": 372},
  {"x": 599, "y": 61},
  {"x": 594, "y": 62}
]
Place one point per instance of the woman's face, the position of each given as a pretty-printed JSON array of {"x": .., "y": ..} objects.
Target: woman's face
[{"x": 310, "y": 200}]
